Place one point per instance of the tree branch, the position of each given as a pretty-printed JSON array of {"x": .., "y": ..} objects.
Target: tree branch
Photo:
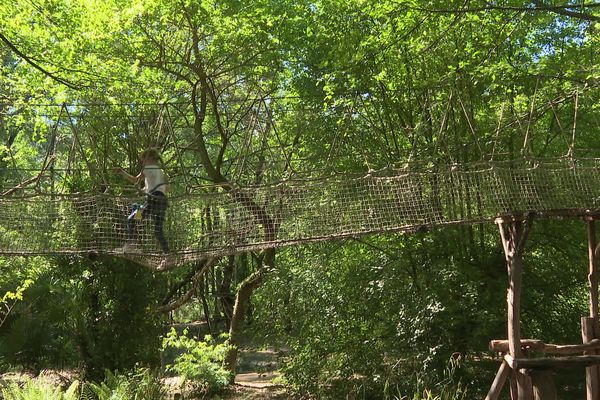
[
  {"x": 29, "y": 181},
  {"x": 539, "y": 6},
  {"x": 186, "y": 297},
  {"x": 565, "y": 11},
  {"x": 29, "y": 61}
]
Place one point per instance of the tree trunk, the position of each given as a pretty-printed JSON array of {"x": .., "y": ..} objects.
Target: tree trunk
[
  {"x": 247, "y": 287},
  {"x": 224, "y": 292}
]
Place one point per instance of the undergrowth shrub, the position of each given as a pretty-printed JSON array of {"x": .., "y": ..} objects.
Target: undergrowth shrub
[
  {"x": 199, "y": 363},
  {"x": 449, "y": 388},
  {"x": 141, "y": 384},
  {"x": 39, "y": 390},
  {"x": 97, "y": 315}
]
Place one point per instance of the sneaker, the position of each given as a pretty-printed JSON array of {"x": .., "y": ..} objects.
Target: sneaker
[{"x": 166, "y": 263}]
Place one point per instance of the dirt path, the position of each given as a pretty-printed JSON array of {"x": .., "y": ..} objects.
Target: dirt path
[
  {"x": 257, "y": 376},
  {"x": 238, "y": 392}
]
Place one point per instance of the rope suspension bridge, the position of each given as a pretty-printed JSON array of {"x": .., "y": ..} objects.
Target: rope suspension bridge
[
  {"x": 72, "y": 205},
  {"x": 220, "y": 221}
]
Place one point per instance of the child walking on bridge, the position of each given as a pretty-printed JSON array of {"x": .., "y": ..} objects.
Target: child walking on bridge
[{"x": 156, "y": 186}]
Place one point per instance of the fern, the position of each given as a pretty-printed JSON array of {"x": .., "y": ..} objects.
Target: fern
[
  {"x": 140, "y": 385},
  {"x": 73, "y": 391},
  {"x": 87, "y": 393},
  {"x": 34, "y": 390}
]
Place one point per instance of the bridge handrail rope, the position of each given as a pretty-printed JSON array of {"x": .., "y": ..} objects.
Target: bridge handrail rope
[{"x": 299, "y": 211}]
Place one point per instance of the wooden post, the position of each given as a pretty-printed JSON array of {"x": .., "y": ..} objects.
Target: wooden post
[
  {"x": 589, "y": 326},
  {"x": 592, "y": 381},
  {"x": 593, "y": 272},
  {"x": 514, "y": 231},
  {"x": 543, "y": 385}
]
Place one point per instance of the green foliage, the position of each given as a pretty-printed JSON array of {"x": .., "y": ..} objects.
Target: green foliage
[
  {"x": 349, "y": 85},
  {"x": 117, "y": 327},
  {"x": 39, "y": 390},
  {"x": 17, "y": 295},
  {"x": 77, "y": 312},
  {"x": 34, "y": 334},
  {"x": 449, "y": 388},
  {"x": 384, "y": 314},
  {"x": 142, "y": 384},
  {"x": 199, "y": 362},
  {"x": 8, "y": 301}
]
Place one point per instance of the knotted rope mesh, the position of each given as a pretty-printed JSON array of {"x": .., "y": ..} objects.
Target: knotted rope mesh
[{"x": 215, "y": 222}]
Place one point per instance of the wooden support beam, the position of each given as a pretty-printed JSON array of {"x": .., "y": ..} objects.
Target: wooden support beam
[
  {"x": 551, "y": 362},
  {"x": 499, "y": 381},
  {"x": 501, "y": 346}
]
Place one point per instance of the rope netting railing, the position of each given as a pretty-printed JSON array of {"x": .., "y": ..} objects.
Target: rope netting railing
[{"x": 218, "y": 222}]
